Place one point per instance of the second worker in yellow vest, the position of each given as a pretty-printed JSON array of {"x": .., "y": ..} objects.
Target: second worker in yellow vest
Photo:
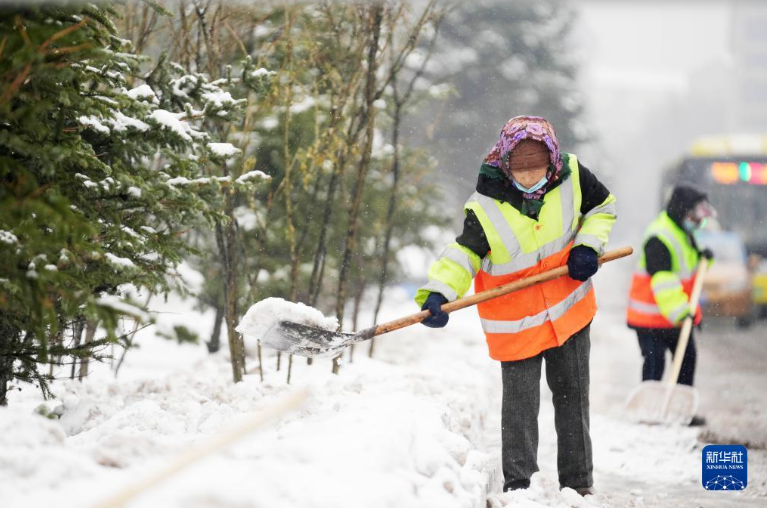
[
  {"x": 661, "y": 286},
  {"x": 534, "y": 209}
]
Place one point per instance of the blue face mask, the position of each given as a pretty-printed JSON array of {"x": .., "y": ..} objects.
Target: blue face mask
[
  {"x": 690, "y": 226},
  {"x": 543, "y": 181}
]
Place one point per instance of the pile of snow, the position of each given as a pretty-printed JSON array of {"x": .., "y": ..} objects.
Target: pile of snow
[
  {"x": 35, "y": 455},
  {"x": 387, "y": 433},
  {"x": 264, "y": 314}
]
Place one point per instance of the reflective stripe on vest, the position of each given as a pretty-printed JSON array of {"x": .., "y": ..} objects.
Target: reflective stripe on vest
[
  {"x": 652, "y": 309},
  {"x": 551, "y": 314}
]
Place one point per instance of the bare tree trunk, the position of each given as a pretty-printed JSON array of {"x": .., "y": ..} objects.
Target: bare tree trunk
[
  {"x": 77, "y": 337},
  {"x": 56, "y": 340},
  {"x": 389, "y": 221},
  {"x": 315, "y": 281},
  {"x": 236, "y": 344},
  {"x": 90, "y": 332},
  {"x": 376, "y": 15},
  {"x": 291, "y": 233},
  {"x": 355, "y": 315},
  {"x": 9, "y": 335},
  {"x": 320, "y": 259},
  {"x": 260, "y": 363},
  {"x": 214, "y": 344},
  {"x": 226, "y": 236},
  {"x": 6, "y": 375}
]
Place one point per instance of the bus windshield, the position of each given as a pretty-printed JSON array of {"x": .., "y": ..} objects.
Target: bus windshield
[{"x": 738, "y": 191}]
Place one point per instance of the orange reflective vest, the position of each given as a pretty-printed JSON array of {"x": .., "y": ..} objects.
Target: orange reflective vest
[{"x": 522, "y": 324}]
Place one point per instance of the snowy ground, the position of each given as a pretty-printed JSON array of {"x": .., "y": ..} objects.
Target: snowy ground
[{"x": 418, "y": 426}]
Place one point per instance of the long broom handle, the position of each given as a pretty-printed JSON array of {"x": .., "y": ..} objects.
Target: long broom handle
[
  {"x": 684, "y": 334},
  {"x": 484, "y": 296}
]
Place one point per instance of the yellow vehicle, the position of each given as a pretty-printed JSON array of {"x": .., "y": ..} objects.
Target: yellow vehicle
[
  {"x": 759, "y": 285},
  {"x": 727, "y": 289}
]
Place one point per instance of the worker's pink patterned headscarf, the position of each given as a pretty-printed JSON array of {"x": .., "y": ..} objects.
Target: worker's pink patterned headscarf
[{"x": 526, "y": 127}]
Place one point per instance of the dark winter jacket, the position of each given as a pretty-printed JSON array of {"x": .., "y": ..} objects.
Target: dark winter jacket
[{"x": 473, "y": 236}]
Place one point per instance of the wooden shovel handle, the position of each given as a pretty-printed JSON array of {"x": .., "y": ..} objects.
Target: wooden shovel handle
[
  {"x": 484, "y": 296},
  {"x": 684, "y": 333},
  {"x": 684, "y": 338}
]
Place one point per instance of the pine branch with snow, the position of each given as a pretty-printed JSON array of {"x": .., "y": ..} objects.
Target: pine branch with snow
[{"x": 94, "y": 196}]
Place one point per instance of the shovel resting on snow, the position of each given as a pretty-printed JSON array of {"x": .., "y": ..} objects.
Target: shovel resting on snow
[
  {"x": 310, "y": 341},
  {"x": 667, "y": 402}
]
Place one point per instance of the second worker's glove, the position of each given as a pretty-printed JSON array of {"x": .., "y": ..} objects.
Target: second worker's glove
[
  {"x": 433, "y": 304},
  {"x": 707, "y": 254},
  {"x": 582, "y": 263}
]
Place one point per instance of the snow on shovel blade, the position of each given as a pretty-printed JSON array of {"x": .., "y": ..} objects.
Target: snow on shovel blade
[
  {"x": 309, "y": 341},
  {"x": 645, "y": 403}
]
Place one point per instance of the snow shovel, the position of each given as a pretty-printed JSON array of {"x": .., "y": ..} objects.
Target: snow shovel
[
  {"x": 310, "y": 341},
  {"x": 656, "y": 402}
]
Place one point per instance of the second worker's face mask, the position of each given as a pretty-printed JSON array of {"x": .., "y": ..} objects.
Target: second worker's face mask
[{"x": 698, "y": 216}]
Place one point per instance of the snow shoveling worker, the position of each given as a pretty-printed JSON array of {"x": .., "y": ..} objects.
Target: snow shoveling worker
[
  {"x": 659, "y": 299},
  {"x": 534, "y": 209}
]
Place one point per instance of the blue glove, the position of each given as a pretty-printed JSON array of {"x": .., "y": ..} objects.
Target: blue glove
[
  {"x": 582, "y": 263},
  {"x": 433, "y": 304}
]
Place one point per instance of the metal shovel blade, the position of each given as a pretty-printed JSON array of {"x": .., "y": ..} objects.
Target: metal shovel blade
[
  {"x": 645, "y": 403},
  {"x": 309, "y": 341}
]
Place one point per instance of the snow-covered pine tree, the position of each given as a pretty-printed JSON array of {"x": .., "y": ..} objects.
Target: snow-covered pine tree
[{"x": 99, "y": 182}]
